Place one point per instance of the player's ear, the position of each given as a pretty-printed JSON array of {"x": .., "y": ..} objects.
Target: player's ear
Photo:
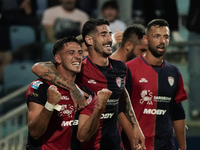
[
  {"x": 145, "y": 39},
  {"x": 89, "y": 40},
  {"x": 129, "y": 46},
  {"x": 57, "y": 58}
]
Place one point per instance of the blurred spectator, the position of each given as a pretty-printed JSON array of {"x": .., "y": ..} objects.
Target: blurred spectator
[
  {"x": 169, "y": 12},
  {"x": 18, "y": 12},
  {"x": 110, "y": 11},
  {"x": 63, "y": 20},
  {"x": 193, "y": 25}
]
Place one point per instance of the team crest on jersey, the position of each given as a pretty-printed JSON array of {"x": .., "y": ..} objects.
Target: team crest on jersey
[
  {"x": 171, "y": 81},
  {"x": 36, "y": 84},
  {"x": 119, "y": 81}
]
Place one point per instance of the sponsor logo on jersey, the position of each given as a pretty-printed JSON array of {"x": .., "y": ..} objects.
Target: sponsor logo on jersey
[
  {"x": 67, "y": 110},
  {"x": 64, "y": 98},
  {"x": 91, "y": 81},
  {"x": 171, "y": 81},
  {"x": 106, "y": 115},
  {"x": 36, "y": 84},
  {"x": 154, "y": 111},
  {"x": 35, "y": 94},
  {"x": 69, "y": 123},
  {"x": 146, "y": 96},
  {"x": 143, "y": 80},
  {"x": 119, "y": 81},
  {"x": 112, "y": 102},
  {"x": 162, "y": 99}
]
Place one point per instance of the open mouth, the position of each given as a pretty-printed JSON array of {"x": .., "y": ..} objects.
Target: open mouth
[
  {"x": 107, "y": 46},
  {"x": 76, "y": 63},
  {"x": 161, "y": 48}
]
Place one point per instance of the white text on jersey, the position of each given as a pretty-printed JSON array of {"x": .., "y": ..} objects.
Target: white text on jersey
[{"x": 154, "y": 111}]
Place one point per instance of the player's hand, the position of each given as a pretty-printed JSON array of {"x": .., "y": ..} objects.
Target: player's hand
[
  {"x": 118, "y": 36},
  {"x": 79, "y": 98},
  {"x": 102, "y": 97},
  {"x": 53, "y": 95},
  {"x": 139, "y": 139}
]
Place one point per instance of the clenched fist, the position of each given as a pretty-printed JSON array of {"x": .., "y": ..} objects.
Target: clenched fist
[
  {"x": 102, "y": 97},
  {"x": 53, "y": 95}
]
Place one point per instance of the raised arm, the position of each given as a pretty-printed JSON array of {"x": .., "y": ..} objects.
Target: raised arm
[
  {"x": 39, "y": 116},
  {"x": 47, "y": 71},
  {"x": 135, "y": 133},
  {"x": 88, "y": 125}
]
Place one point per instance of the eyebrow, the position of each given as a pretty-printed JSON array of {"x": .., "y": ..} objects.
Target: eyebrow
[{"x": 103, "y": 32}]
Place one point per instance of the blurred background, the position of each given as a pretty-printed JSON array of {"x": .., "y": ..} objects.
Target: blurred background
[{"x": 28, "y": 29}]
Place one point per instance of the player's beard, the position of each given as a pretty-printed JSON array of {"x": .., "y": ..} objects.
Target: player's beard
[
  {"x": 157, "y": 53},
  {"x": 99, "y": 49}
]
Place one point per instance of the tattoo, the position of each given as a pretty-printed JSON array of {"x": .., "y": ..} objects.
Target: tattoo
[
  {"x": 129, "y": 112},
  {"x": 54, "y": 77},
  {"x": 126, "y": 107},
  {"x": 75, "y": 92}
]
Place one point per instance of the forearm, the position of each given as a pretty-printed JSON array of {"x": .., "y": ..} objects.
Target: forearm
[
  {"x": 90, "y": 126},
  {"x": 126, "y": 107},
  {"x": 179, "y": 128},
  {"x": 48, "y": 71},
  {"x": 127, "y": 127},
  {"x": 38, "y": 125}
]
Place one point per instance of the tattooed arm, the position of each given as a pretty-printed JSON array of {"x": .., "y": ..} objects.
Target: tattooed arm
[
  {"x": 129, "y": 123},
  {"x": 47, "y": 71}
]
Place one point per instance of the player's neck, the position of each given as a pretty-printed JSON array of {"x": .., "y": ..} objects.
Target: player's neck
[
  {"x": 153, "y": 60},
  {"x": 98, "y": 59},
  {"x": 119, "y": 54},
  {"x": 68, "y": 75}
]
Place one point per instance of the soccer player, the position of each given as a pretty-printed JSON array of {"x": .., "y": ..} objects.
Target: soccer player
[
  {"x": 50, "y": 127},
  {"x": 99, "y": 71},
  {"x": 132, "y": 45},
  {"x": 156, "y": 90}
]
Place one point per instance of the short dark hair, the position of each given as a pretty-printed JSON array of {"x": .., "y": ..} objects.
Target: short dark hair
[
  {"x": 132, "y": 31},
  {"x": 59, "y": 43},
  {"x": 90, "y": 26},
  {"x": 80, "y": 39},
  {"x": 157, "y": 22},
  {"x": 112, "y": 4}
]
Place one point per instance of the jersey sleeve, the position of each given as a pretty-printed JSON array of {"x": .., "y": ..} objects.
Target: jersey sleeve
[
  {"x": 180, "y": 93},
  {"x": 90, "y": 108},
  {"x": 91, "y": 100},
  {"x": 37, "y": 92}
]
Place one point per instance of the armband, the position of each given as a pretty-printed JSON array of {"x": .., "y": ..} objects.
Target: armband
[{"x": 49, "y": 106}]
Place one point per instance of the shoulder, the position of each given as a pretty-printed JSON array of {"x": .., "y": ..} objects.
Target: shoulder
[
  {"x": 134, "y": 61},
  {"x": 172, "y": 67},
  {"x": 53, "y": 9},
  {"x": 81, "y": 12},
  {"x": 38, "y": 84},
  {"x": 118, "y": 63}
]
